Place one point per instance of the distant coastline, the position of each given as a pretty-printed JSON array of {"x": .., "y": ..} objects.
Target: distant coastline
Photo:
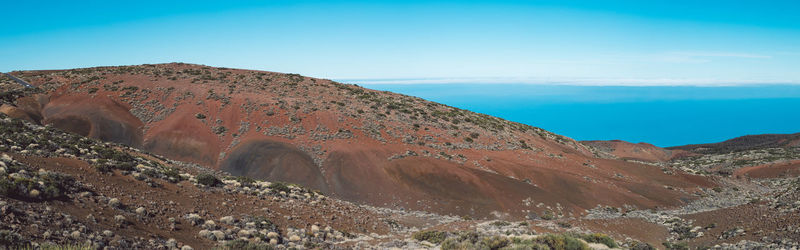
[{"x": 661, "y": 115}]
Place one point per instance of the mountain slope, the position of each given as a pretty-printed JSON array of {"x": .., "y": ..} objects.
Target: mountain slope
[
  {"x": 744, "y": 143},
  {"x": 361, "y": 145}
]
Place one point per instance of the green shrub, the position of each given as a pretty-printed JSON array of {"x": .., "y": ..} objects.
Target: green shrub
[
  {"x": 264, "y": 223},
  {"x": 600, "y": 238},
  {"x": 642, "y": 246},
  {"x": 279, "y": 186},
  {"x": 200, "y": 116},
  {"x": 241, "y": 244},
  {"x": 676, "y": 246},
  {"x": 434, "y": 237},
  {"x": 560, "y": 241},
  {"x": 208, "y": 179},
  {"x": 548, "y": 215},
  {"x": 494, "y": 242},
  {"x": 11, "y": 239}
]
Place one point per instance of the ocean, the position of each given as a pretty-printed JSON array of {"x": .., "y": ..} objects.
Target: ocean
[{"x": 663, "y": 116}]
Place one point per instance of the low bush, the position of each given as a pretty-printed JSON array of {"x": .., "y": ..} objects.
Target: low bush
[
  {"x": 599, "y": 238},
  {"x": 279, "y": 186},
  {"x": 434, "y": 237},
  {"x": 241, "y": 244},
  {"x": 208, "y": 179}
]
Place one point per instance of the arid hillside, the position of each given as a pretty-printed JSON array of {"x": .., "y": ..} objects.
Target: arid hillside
[
  {"x": 361, "y": 145},
  {"x": 744, "y": 143}
]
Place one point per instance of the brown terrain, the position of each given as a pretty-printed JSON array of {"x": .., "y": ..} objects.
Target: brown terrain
[
  {"x": 364, "y": 162},
  {"x": 358, "y": 144}
]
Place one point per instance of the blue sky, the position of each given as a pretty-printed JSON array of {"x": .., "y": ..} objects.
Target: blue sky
[{"x": 587, "y": 42}]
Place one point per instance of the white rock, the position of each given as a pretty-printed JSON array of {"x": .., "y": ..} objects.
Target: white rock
[
  {"x": 114, "y": 202},
  {"x": 204, "y": 234},
  {"x": 119, "y": 218},
  {"x": 210, "y": 224},
  {"x": 227, "y": 220},
  {"x": 172, "y": 243},
  {"x": 218, "y": 235}
]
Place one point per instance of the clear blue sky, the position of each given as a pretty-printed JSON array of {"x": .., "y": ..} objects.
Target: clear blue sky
[{"x": 586, "y": 41}]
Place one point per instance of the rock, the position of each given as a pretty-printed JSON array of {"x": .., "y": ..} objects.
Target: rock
[
  {"x": 172, "y": 243},
  {"x": 210, "y": 225},
  {"x": 194, "y": 218},
  {"x": 119, "y": 219},
  {"x": 218, "y": 235},
  {"x": 205, "y": 234},
  {"x": 227, "y": 220},
  {"x": 34, "y": 193},
  {"x": 314, "y": 229},
  {"x": 141, "y": 211},
  {"x": 114, "y": 202}
]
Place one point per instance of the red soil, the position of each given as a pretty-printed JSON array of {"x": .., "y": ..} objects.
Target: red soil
[{"x": 340, "y": 138}]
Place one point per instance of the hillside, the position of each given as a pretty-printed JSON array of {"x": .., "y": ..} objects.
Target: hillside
[
  {"x": 744, "y": 143},
  {"x": 646, "y": 152},
  {"x": 361, "y": 145}
]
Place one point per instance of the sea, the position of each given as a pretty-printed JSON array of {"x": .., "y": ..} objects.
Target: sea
[{"x": 661, "y": 115}]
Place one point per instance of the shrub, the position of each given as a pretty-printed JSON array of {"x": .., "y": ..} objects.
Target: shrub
[
  {"x": 434, "y": 237},
  {"x": 548, "y": 215},
  {"x": 500, "y": 223},
  {"x": 642, "y": 246},
  {"x": 559, "y": 241},
  {"x": 495, "y": 242},
  {"x": 200, "y": 116},
  {"x": 600, "y": 238},
  {"x": 208, "y": 179},
  {"x": 279, "y": 186},
  {"x": 247, "y": 245},
  {"x": 676, "y": 246},
  {"x": 10, "y": 239},
  {"x": 264, "y": 223}
]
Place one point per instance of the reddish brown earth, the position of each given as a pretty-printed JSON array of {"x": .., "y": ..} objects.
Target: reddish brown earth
[
  {"x": 743, "y": 143},
  {"x": 362, "y": 145},
  {"x": 635, "y": 151},
  {"x": 772, "y": 170}
]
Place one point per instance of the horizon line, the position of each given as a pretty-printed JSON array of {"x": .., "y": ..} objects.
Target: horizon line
[{"x": 587, "y": 81}]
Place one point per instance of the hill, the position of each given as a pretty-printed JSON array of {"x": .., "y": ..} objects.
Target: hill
[
  {"x": 361, "y": 145},
  {"x": 744, "y": 143}
]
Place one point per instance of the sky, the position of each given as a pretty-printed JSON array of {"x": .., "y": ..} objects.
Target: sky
[{"x": 582, "y": 42}]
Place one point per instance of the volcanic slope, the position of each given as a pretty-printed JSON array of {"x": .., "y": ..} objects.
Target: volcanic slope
[
  {"x": 744, "y": 143},
  {"x": 362, "y": 145}
]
